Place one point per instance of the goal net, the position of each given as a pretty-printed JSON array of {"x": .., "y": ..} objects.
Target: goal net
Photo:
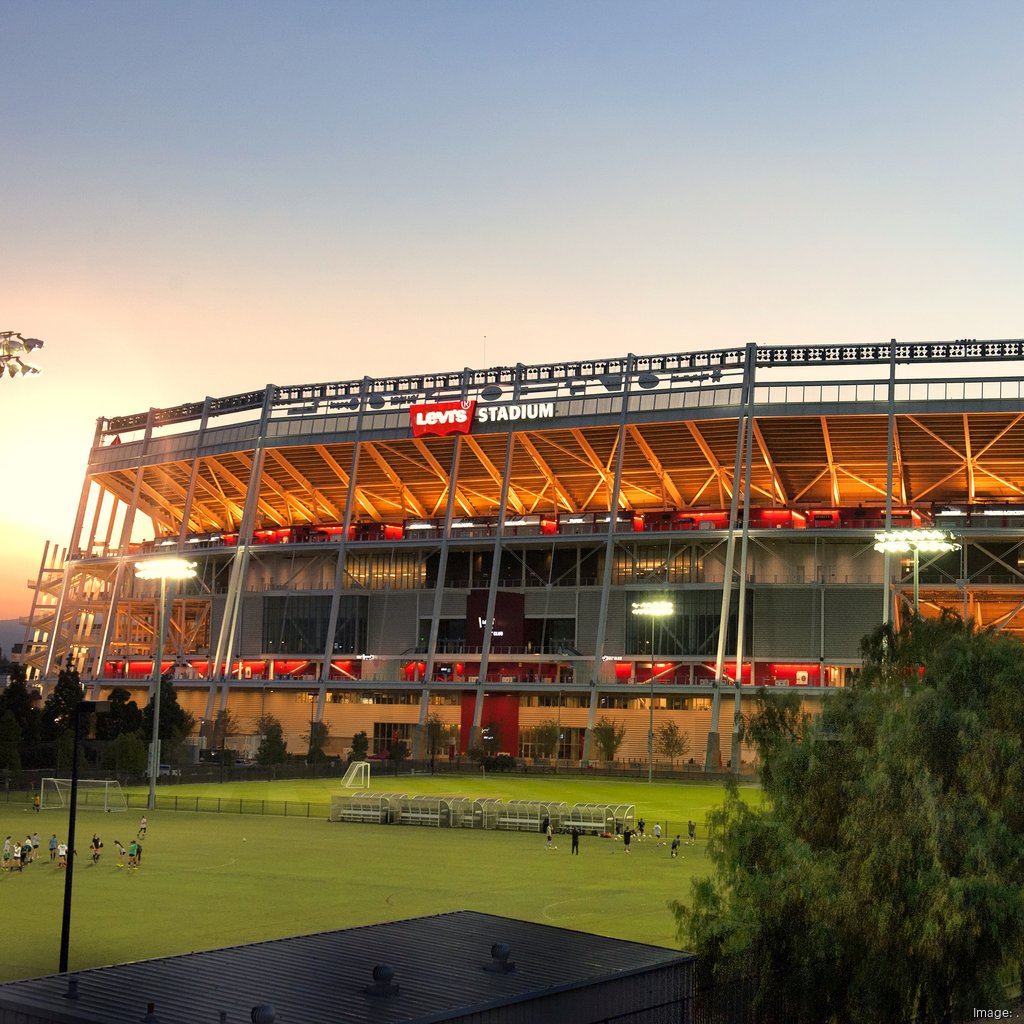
[
  {"x": 357, "y": 776},
  {"x": 100, "y": 794}
]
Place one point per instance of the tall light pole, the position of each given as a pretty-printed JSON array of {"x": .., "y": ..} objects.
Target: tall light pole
[
  {"x": 903, "y": 541},
  {"x": 164, "y": 570},
  {"x": 653, "y": 610},
  {"x": 82, "y": 707}
]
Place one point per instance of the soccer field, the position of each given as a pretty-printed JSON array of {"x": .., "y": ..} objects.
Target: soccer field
[{"x": 211, "y": 879}]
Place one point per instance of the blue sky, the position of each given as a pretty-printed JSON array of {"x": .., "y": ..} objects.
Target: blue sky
[{"x": 200, "y": 198}]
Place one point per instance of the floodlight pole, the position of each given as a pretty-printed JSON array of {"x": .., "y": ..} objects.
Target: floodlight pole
[
  {"x": 652, "y": 610},
  {"x": 69, "y": 871},
  {"x": 163, "y": 569},
  {"x": 154, "y": 747}
]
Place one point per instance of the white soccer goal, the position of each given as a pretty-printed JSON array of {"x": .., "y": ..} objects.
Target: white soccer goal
[
  {"x": 357, "y": 776},
  {"x": 101, "y": 794}
]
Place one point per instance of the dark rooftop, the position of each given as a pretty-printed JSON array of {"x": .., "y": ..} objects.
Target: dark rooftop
[{"x": 439, "y": 970}]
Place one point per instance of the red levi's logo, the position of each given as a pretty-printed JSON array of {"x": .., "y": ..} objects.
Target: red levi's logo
[{"x": 441, "y": 418}]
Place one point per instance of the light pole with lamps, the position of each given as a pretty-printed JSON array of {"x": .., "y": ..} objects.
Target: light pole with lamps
[
  {"x": 653, "y": 610},
  {"x": 935, "y": 542},
  {"x": 164, "y": 570}
]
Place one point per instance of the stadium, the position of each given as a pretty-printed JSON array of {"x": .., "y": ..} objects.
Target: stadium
[{"x": 644, "y": 539}]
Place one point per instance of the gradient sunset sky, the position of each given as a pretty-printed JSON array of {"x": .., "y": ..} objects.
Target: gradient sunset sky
[{"x": 204, "y": 197}]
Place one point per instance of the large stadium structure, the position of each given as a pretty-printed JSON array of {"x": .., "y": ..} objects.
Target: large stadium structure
[{"x": 485, "y": 547}]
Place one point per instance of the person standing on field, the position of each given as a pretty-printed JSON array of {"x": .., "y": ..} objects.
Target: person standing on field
[
  {"x": 53, "y": 847},
  {"x": 691, "y": 833},
  {"x": 675, "y": 846},
  {"x": 143, "y": 824},
  {"x": 575, "y": 840}
]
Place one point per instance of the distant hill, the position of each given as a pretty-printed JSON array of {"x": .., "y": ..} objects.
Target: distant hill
[{"x": 11, "y": 632}]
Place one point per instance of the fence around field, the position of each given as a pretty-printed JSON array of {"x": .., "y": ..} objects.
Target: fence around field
[{"x": 209, "y": 804}]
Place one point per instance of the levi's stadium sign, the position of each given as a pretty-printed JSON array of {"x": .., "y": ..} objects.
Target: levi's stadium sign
[{"x": 457, "y": 417}]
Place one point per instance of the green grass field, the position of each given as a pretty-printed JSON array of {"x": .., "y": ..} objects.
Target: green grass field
[{"x": 210, "y": 880}]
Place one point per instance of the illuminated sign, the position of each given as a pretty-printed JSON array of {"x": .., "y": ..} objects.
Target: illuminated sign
[
  {"x": 504, "y": 413},
  {"x": 441, "y": 418},
  {"x": 457, "y": 417}
]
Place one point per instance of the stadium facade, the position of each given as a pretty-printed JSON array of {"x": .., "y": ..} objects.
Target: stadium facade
[{"x": 482, "y": 548}]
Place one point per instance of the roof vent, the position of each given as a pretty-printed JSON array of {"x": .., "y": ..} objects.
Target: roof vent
[
  {"x": 151, "y": 1017},
  {"x": 72, "y": 992},
  {"x": 500, "y": 963},
  {"x": 263, "y": 1014},
  {"x": 382, "y": 984}
]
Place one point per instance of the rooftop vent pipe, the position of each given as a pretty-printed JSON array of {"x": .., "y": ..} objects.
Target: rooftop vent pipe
[
  {"x": 382, "y": 985},
  {"x": 263, "y": 1014},
  {"x": 500, "y": 963}
]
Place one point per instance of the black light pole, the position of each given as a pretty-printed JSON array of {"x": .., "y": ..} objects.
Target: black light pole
[{"x": 87, "y": 706}]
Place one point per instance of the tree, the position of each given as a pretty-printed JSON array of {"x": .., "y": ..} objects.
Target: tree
[
  {"x": 360, "y": 747},
  {"x": 10, "y": 737},
  {"x": 125, "y": 754},
  {"x": 439, "y": 735},
  {"x": 546, "y": 737},
  {"x": 175, "y": 722},
  {"x": 224, "y": 725},
  {"x": 672, "y": 742},
  {"x": 881, "y": 879},
  {"x": 317, "y": 737},
  {"x": 273, "y": 750},
  {"x": 17, "y": 699},
  {"x": 60, "y": 705},
  {"x": 123, "y": 717},
  {"x": 608, "y": 736},
  {"x": 398, "y": 753}
]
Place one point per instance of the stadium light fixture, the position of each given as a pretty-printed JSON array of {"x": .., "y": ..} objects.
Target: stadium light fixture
[
  {"x": 652, "y": 610},
  {"x": 165, "y": 570},
  {"x": 13, "y": 350},
  {"x": 902, "y": 542}
]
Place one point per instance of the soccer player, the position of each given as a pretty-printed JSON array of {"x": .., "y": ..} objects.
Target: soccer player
[
  {"x": 675, "y": 846},
  {"x": 62, "y": 855},
  {"x": 142, "y": 827},
  {"x": 96, "y": 846},
  {"x": 133, "y": 855},
  {"x": 52, "y": 843},
  {"x": 120, "y": 853}
]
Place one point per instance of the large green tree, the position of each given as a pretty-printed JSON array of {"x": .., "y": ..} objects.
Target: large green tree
[
  {"x": 317, "y": 738},
  {"x": 672, "y": 742},
  {"x": 546, "y": 736},
  {"x": 175, "y": 722},
  {"x": 60, "y": 705},
  {"x": 122, "y": 717},
  {"x": 882, "y": 878},
  {"x": 17, "y": 699},
  {"x": 608, "y": 735},
  {"x": 273, "y": 749}
]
